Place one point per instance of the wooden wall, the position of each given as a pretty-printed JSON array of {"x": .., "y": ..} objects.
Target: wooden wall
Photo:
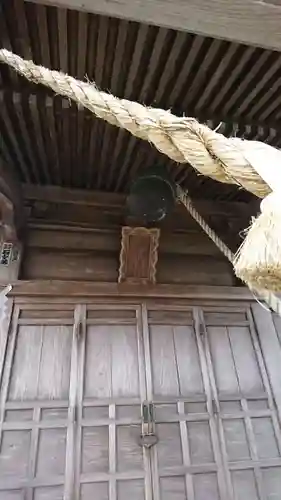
[
  {"x": 94, "y": 256},
  {"x": 75, "y": 235}
]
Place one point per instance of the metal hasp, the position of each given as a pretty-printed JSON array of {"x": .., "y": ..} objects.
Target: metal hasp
[{"x": 148, "y": 437}]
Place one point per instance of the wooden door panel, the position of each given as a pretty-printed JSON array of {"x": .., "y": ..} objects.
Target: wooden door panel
[
  {"x": 216, "y": 420},
  {"x": 111, "y": 465},
  {"x": 41, "y": 366},
  {"x": 186, "y": 461},
  {"x": 34, "y": 415},
  {"x": 246, "y": 410},
  {"x": 234, "y": 359},
  {"x": 175, "y": 361},
  {"x": 111, "y": 365}
]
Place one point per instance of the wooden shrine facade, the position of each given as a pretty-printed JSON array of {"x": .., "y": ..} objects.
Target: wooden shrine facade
[{"x": 133, "y": 364}]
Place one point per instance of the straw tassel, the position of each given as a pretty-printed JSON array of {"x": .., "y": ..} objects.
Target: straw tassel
[{"x": 258, "y": 261}]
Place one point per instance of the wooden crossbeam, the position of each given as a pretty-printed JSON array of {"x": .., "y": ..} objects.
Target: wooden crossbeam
[{"x": 251, "y": 22}]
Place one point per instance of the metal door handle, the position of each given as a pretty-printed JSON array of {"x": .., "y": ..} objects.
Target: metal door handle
[{"x": 148, "y": 437}]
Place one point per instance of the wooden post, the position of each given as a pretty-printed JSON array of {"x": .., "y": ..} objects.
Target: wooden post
[{"x": 271, "y": 349}]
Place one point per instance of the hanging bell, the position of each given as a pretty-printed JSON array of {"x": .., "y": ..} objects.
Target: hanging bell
[{"x": 152, "y": 195}]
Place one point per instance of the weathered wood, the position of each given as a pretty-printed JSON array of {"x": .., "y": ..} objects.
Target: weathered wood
[
  {"x": 187, "y": 243},
  {"x": 71, "y": 412},
  {"x": 113, "y": 201},
  {"x": 70, "y": 289},
  {"x": 179, "y": 269},
  {"x": 85, "y": 266},
  {"x": 93, "y": 255},
  {"x": 11, "y": 203},
  {"x": 271, "y": 349},
  {"x": 248, "y": 21},
  {"x": 5, "y": 322},
  {"x": 138, "y": 255}
]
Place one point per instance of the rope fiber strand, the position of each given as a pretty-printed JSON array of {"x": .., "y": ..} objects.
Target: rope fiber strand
[{"x": 273, "y": 302}]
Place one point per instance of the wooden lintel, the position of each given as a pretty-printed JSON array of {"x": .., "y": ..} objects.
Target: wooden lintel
[
  {"x": 78, "y": 289},
  {"x": 252, "y": 22},
  {"x": 54, "y": 194}
]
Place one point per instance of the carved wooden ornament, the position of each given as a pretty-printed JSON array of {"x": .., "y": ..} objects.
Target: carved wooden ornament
[{"x": 139, "y": 255}]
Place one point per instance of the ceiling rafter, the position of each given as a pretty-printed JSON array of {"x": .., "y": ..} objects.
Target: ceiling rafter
[{"x": 52, "y": 141}]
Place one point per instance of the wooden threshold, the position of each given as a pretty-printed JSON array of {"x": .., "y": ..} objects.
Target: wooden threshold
[{"x": 74, "y": 289}]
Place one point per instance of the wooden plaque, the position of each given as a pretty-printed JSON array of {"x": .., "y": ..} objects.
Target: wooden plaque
[{"x": 139, "y": 255}]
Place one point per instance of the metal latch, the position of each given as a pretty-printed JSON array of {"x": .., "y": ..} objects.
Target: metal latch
[{"x": 148, "y": 437}]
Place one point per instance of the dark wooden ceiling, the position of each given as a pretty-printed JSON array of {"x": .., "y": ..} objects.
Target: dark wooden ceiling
[{"x": 50, "y": 141}]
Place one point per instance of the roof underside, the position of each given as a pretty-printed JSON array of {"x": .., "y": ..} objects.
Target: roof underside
[{"x": 49, "y": 141}]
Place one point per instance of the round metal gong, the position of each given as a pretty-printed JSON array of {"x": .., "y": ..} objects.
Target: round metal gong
[{"x": 152, "y": 195}]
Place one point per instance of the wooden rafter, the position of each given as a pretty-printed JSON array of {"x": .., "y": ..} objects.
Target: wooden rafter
[{"x": 49, "y": 141}]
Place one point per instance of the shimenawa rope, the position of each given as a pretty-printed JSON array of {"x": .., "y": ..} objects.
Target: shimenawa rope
[
  {"x": 184, "y": 140},
  {"x": 228, "y": 160}
]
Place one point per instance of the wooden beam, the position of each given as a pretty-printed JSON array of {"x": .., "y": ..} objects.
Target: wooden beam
[
  {"x": 252, "y": 22},
  {"x": 97, "y": 240},
  {"x": 77, "y": 289},
  {"x": 54, "y": 194}
]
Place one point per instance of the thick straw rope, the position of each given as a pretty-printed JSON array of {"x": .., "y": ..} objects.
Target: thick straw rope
[
  {"x": 227, "y": 160},
  {"x": 184, "y": 140}
]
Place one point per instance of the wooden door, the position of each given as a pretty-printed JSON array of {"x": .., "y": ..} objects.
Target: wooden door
[
  {"x": 74, "y": 378},
  {"x": 110, "y": 463},
  {"x": 71, "y": 395},
  {"x": 35, "y": 418},
  {"x": 216, "y": 415}
]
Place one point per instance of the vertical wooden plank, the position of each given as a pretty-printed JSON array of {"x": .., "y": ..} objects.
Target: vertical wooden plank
[
  {"x": 53, "y": 381},
  {"x": 140, "y": 317},
  {"x": 80, "y": 390},
  {"x": 149, "y": 386},
  {"x": 187, "y": 359},
  {"x": 223, "y": 366},
  {"x": 147, "y": 355},
  {"x": 164, "y": 365},
  {"x": 125, "y": 380},
  {"x": 33, "y": 450},
  {"x": 4, "y": 389},
  {"x": 26, "y": 363},
  {"x": 217, "y": 434},
  {"x": 253, "y": 449},
  {"x": 271, "y": 350},
  {"x": 186, "y": 453},
  {"x": 98, "y": 382},
  {"x": 266, "y": 382},
  {"x": 244, "y": 359},
  {"x": 112, "y": 453},
  {"x": 70, "y": 446},
  {"x": 5, "y": 323}
]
